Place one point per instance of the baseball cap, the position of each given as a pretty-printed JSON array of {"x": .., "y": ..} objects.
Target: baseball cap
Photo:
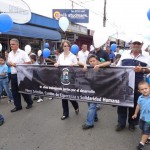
[{"x": 137, "y": 39}]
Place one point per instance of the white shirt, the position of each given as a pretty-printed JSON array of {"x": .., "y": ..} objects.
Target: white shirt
[
  {"x": 82, "y": 56},
  {"x": 62, "y": 60},
  {"x": 128, "y": 55},
  {"x": 19, "y": 57}
]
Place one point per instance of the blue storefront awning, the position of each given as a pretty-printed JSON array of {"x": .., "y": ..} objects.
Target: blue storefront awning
[{"x": 34, "y": 32}]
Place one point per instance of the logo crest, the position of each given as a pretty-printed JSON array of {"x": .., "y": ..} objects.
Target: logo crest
[{"x": 65, "y": 77}]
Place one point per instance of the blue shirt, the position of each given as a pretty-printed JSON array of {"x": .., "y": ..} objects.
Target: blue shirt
[
  {"x": 144, "y": 103},
  {"x": 3, "y": 69}
]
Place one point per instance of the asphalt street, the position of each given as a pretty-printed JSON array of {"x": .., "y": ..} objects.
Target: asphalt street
[{"x": 40, "y": 128}]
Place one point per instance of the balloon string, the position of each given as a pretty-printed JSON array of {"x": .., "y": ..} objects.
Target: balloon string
[{"x": 65, "y": 36}]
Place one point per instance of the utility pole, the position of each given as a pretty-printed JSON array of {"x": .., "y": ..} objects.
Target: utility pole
[
  {"x": 72, "y": 4},
  {"x": 104, "y": 17}
]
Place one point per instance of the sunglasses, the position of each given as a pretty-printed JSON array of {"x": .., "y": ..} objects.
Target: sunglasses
[
  {"x": 66, "y": 46},
  {"x": 136, "y": 43}
]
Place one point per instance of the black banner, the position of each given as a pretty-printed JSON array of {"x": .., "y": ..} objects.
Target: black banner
[{"x": 114, "y": 86}]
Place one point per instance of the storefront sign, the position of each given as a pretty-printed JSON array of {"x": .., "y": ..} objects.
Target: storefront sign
[
  {"x": 18, "y": 10},
  {"x": 77, "y": 29},
  {"x": 74, "y": 15}
]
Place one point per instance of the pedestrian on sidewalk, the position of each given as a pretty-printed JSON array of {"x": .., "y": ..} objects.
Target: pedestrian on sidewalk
[
  {"x": 69, "y": 59},
  {"x": 18, "y": 56}
]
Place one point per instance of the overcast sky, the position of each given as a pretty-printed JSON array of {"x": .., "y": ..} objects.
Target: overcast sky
[{"x": 126, "y": 15}]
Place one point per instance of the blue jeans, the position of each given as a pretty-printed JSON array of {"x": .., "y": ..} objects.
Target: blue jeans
[
  {"x": 5, "y": 84},
  {"x": 92, "y": 113}
]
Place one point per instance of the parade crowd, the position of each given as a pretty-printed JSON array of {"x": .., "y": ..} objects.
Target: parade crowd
[{"x": 97, "y": 58}]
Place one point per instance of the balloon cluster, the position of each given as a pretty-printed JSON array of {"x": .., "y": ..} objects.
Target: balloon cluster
[{"x": 6, "y": 23}]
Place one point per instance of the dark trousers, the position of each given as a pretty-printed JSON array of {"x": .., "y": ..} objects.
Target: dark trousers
[
  {"x": 125, "y": 112},
  {"x": 66, "y": 108},
  {"x": 16, "y": 94}
]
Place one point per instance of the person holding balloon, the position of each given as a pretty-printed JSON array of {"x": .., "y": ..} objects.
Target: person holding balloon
[
  {"x": 69, "y": 59},
  {"x": 17, "y": 56}
]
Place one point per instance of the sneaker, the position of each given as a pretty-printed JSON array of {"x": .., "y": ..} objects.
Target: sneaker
[
  {"x": 119, "y": 127},
  {"x": 50, "y": 98},
  {"x": 132, "y": 128},
  {"x": 148, "y": 141},
  {"x": 39, "y": 100},
  {"x": 140, "y": 147},
  {"x": 85, "y": 126},
  {"x": 10, "y": 101},
  {"x": 4, "y": 96}
]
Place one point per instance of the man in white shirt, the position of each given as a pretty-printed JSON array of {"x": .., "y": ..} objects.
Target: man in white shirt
[
  {"x": 18, "y": 56},
  {"x": 83, "y": 54}
]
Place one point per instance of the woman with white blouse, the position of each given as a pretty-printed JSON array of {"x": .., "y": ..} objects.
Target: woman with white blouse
[{"x": 66, "y": 58}]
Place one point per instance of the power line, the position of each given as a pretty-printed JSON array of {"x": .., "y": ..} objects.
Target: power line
[{"x": 82, "y": 4}]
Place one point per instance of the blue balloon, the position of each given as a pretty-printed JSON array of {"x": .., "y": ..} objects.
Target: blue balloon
[
  {"x": 6, "y": 23},
  {"x": 148, "y": 14},
  {"x": 46, "y": 45},
  {"x": 74, "y": 49},
  {"x": 46, "y": 52},
  {"x": 113, "y": 47}
]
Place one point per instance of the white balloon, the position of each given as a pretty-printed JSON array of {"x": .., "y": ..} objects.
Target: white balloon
[
  {"x": 39, "y": 53},
  {"x": 91, "y": 48},
  {"x": 0, "y": 47},
  {"x": 64, "y": 23},
  {"x": 100, "y": 37},
  {"x": 27, "y": 49}
]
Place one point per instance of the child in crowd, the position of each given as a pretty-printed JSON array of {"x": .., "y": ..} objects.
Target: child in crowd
[
  {"x": 33, "y": 58},
  {"x": 143, "y": 106},
  {"x": 4, "y": 83}
]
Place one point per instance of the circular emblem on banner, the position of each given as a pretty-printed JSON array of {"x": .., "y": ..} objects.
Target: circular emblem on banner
[
  {"x": 56, "y": 14},
  {"x": 65, "y": 77}
]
